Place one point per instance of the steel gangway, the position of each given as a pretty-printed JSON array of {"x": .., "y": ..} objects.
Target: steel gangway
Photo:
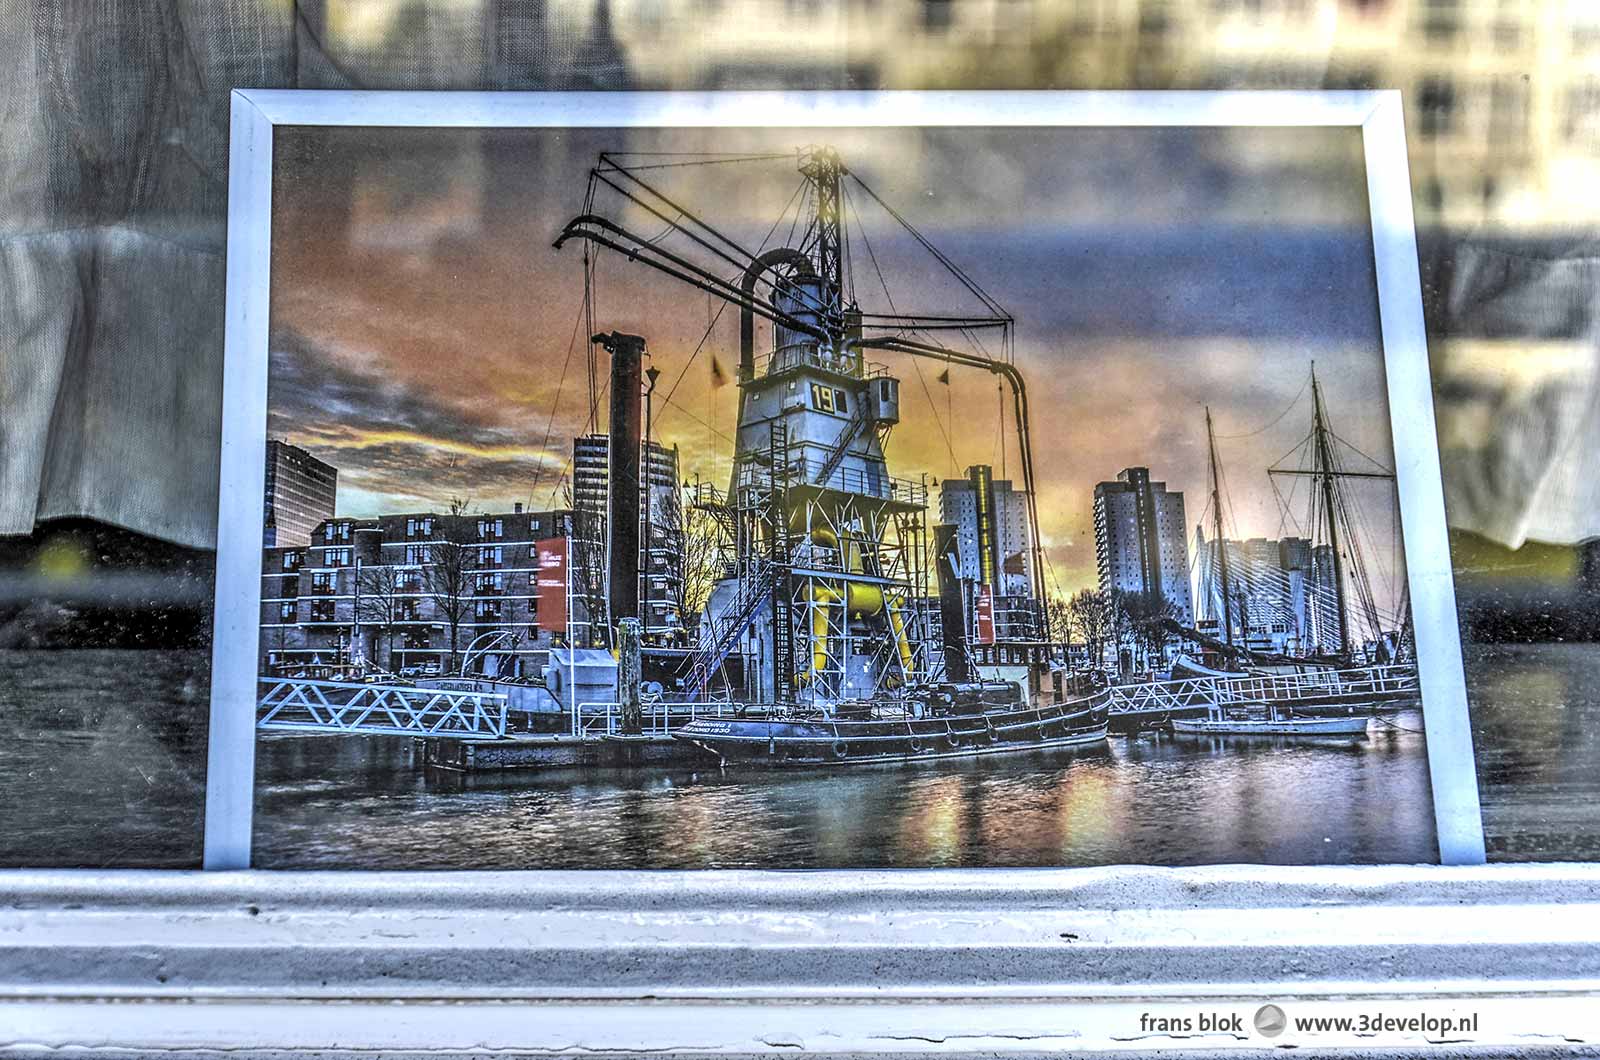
[
  {"x": 726, "y": 632},
  {"x": 355, "y": 707},
  {"x": 1366, "y": 686}
]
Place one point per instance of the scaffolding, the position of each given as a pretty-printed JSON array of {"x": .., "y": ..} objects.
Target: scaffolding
[{"x": 831, "y": 578}]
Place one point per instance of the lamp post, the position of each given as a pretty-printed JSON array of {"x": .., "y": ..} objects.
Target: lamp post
[{"x": 651, "y": 374}]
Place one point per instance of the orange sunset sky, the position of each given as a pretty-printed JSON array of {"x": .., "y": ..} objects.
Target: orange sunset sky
[{"x": 427, "y": 340}]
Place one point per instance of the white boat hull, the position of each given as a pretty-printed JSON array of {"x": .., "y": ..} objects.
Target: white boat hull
[{"x": 1348, "y": 726}]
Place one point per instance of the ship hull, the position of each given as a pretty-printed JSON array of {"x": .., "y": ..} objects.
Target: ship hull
[
  {"x": 1302, "y": 726},
  {"x": 781, "y": 742}
]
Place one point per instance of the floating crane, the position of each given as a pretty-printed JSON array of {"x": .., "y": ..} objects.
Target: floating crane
[{"x": 830, "y": 549}]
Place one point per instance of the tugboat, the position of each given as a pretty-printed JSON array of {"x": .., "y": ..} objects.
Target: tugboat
[{"x": 941, "y": 721}]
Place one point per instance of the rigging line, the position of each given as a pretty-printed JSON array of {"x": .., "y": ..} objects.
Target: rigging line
[
  {"x": 691, "y": 154},
  {"x": 950, "y": 266},
  {"x": 684, "y": 371},
  {"x": 590, "y": 356},
  {"x": 1295, "y": 449},
  {"x": 690, "y": 234},
  {"x": 556, "y": 485},
  {"x": 662, "y": 196},
  {"x": 1380, "y": 466},
  {"x": 675, "y": 407},
  {"x": 873, "y": 257},
  {"x": 683, "y": 212},
  {"x": 702, "y": 162},
  {"x": 1275, "y": 420},
  {"x": 549, "y": 423},
  {"x": 658, "y": 237},
  {"x": 685, "y": 229}
]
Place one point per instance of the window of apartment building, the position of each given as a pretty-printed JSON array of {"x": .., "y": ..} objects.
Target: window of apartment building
[
  {"x": 519, "y": 32},
  {"x": 1441, "y": 20},
  {"x": 288, "y": 611},
  {"x": 492, "y": 556},
  {"x": 419, "y": 527},
  {"x": 1585, "y": 28},
  {"x": 292, "y": 560},
  {"x": 322, "y": 610},
  {"x": 1508, "y": 107},
  {"x": 1154, "y": 22},
  {"x": 491, "y": 583},
  {"x": 336, "y": 532},
  {"x": 491, "y": 528},
  {"x": 418, "y": 554},
  {"x": 487, "y": 610},
  {"x": 1581, "y": 119},
  {"x": 323, "y": 582},
  {"x": 1507, "y": 33},
  {"x": 408, "y": 581},
  {"x": 410, "y": 611},
  {"x": 1436, "y": 106},
  {"x": 336, "y": 557}
]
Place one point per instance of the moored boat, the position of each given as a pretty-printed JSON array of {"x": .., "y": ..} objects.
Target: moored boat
[
  {"x": 1267, "y": 719},
  {"x": 941, "y": 721}
]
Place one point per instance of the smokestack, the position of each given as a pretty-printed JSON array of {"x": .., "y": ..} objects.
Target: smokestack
[
  {"x": 622, "y": 522},
  {"x": 952, "y": 609}
]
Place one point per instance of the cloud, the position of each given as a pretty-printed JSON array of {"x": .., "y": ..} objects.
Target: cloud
[{"x": 1151, "y": 273}]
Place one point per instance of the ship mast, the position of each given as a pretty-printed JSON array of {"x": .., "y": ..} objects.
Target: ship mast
[
  {"x": 1221, "y": 547},
  {"x": 1325, "y": 472}
]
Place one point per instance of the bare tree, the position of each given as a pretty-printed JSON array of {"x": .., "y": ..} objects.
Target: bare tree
[
  {"x": 1147, "y": 616},
  {"x": 379, "y": 591},
  {"x": 699, "y": 561},
  {"x": 587, "y": 564},
  {"x": 448, "y": 576},
  {"x": 1091, "y": 613},
  {"x": 1058, "y": 620}
]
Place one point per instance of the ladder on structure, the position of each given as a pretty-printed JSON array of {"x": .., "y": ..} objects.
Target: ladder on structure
[
  {"x": 841, "y": 447},
  {"x": 778, "y": 566},
  {"x": 726, "y": 632}
]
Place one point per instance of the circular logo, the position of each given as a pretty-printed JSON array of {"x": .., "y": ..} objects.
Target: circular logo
[{"x": 1270, "y": 1021}]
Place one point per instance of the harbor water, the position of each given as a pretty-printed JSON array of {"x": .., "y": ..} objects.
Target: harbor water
[
  {"x": 102, "y": 762},
  {"x": 357, "y": 803}
]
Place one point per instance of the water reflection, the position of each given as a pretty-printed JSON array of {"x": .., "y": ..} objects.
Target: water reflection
[
  {"x": 1536, "y": 733},
  {"x": 102, "y": 758},
  {"x": 360, "y": 803}
]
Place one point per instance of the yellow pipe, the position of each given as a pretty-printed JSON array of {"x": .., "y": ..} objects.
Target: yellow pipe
[
  {"x": 821, "y": 598},
  {"x": 863, "y": 599},
  {"x": 897, "y": 621}
]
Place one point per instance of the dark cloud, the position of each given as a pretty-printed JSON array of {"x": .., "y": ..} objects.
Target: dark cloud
[{"x": 424, "y": 328}]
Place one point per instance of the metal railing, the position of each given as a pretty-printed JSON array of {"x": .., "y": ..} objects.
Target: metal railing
[
  {"x": 397, "y": 710},
  {"x": 661, "y": 718},
  {"x": 1376, "y": 684}
]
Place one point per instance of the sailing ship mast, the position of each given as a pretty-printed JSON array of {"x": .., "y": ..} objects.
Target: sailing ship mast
[
  {"x": 1324, "y": 473},
  {"x": 1324, "y": 468},
  {"x": 1221, "y": 547}
]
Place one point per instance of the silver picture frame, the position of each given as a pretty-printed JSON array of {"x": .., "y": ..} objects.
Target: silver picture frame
[{"x": 1379, "y": 116}]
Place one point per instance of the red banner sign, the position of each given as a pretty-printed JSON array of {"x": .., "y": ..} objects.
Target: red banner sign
[
  {"x": 985, "y": 614},
  {"x": 551, "y": 587}
]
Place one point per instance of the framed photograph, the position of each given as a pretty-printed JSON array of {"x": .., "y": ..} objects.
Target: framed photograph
[{"x": 830, "y": 481}]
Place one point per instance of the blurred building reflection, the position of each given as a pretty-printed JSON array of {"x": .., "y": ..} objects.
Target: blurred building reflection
[{"x": 1503, "y": 96}]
